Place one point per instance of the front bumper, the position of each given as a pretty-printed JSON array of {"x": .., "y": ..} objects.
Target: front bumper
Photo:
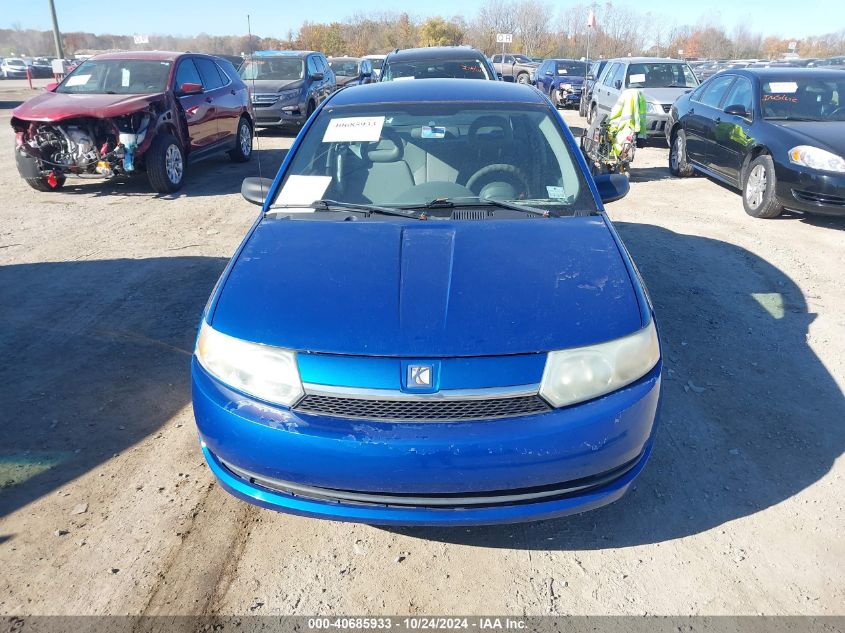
[
  {"x": 280, "y": 115},
  {"x": 655, "y": 124},
  {"x": 810, "y": 191},
  {"x": 569, "y": 97},
  {"x": 473, "y": 472}
]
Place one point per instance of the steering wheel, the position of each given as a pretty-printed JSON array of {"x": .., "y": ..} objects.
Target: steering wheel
[
  {"x": 502, "y": 168},
  {"x": 837, "y": 111}
]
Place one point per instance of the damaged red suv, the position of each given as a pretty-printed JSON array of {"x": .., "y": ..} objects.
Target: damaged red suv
[{"x": 121, "y": 114}]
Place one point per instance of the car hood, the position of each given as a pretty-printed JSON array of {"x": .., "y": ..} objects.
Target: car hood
[
  {"x": 829, "y": 135},
  {"x": 54, "y": 106},
  {"x": 342, "y": 80},
  {"x": 273, "y": 85},
  {"x": 575, "y": 80},
  {"x": 429, "y": 289},
  {"x": 664, "y": 95}
]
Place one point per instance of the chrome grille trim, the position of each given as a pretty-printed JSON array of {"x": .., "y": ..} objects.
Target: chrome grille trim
[{"x": 446, "y": 394}]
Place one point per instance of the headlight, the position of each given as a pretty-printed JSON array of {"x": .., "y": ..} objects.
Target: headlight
[
  {"x": 653, "y": 108},
  {"x": 268, "y": 373},
  {"x": 816, "y": 158},
  {"x": 288, "y": 95},
  {"x": 567, "y": 87},
  {"x": 581, "y": 373}
]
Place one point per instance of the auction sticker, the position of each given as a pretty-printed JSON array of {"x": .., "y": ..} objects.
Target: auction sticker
[
  {"x": 303, "y": 190},
  {"x": 352, "y": 129}
]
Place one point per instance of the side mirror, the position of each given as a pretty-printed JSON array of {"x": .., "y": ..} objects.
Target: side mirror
[
  {"x": 590, "y": 76},
  {"x": 51, "y": 87},
  {"x": 618, "y": 84},
  {"x": 317, "y": 76},
  {"x": 509, "y": 78},
  {"x": 499, "y": 75},
  {"x": 736, "y": 110},
  {"x": 190, "y": 89},
  {"x": 255, "y": 189},
  {"x": 549, "y": 73},
  {"x": 612, "y": 187}
]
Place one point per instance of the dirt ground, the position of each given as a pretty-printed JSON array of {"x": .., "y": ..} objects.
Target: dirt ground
[{"x": 106, "y": 506}]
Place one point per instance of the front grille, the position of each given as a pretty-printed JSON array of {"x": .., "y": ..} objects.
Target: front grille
[
  {"x": 818, "y": 198},
  {"x": 423, "y": 410},
  {"x": 264, "y": 100}
]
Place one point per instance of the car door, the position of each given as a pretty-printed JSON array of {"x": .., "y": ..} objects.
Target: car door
[
  {"x": 542, "y": 77},
  {"x": 222, "y": 98},
  {"x": 329, "y": 78},
  {"x": 198, "y": 107},
  {"x": 733, "y": 134},
  {"x": 701, "y": 125},
  {"x": 607, "y": 93}
]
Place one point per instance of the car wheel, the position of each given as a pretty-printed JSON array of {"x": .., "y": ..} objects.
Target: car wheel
[
  {"x": 678, "y": 165},
  {"x": 582, "y": 108},
  {"x": 243, "y": 142},
  {"x": 43, "y": 183},
  {"x": 555, "y": 99},
  {"x": 522, "y": 78},
  {"x": 758, "y": 189},
  {"x": 310, "y": 109},
  {"x": 165, "y": 163}
]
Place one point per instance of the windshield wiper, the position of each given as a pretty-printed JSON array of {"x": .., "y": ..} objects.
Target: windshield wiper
[
  {"x": 449, "y": 203},
  {"x": 366, "y": 209},
  {"x": 792, "y": 118}
]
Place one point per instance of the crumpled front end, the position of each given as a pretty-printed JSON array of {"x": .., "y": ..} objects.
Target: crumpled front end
[{"x": 82, "y": 146}]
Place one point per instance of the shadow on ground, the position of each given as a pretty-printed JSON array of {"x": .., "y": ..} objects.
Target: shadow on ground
[
  {"x": 767, "y": 423},
  {"x": 96, "y": 356}
]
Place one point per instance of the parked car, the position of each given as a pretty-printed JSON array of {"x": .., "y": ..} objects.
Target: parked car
[
  {"x": 562, "y": 80},
  {"x": 377, "y": 62},
  {"x": 128, "y": 113},
  {"x": 42, "y": 67},
  {"x": 437, "y": 62},
  {"x": 351, "y": 71},
  {"x": 660, "y": 80},
  {"x": 520, "y": 67},
  {"x": 13, "y": 68},
  {"x": 482, "y": 349},
  {"x": 287, "y": 86},
  {"x": 594, "y": 72},
  {"x": 777, "y": 134}
]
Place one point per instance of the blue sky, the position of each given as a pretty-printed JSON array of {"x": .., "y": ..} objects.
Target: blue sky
[{"x": 275, "y": 17}]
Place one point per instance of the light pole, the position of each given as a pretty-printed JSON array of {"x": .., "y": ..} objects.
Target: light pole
[{"x": 57, "y": 36}]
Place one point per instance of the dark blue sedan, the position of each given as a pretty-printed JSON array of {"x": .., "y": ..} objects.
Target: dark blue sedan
[
  {"x": 562, "y": 80},
  {"x": 432, "y": 321}
]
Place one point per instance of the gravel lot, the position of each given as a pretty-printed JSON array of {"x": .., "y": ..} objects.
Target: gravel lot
[{"x": 106, "y": 506}]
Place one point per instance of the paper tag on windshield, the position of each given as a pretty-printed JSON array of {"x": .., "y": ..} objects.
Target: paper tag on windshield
[
  {"x": 558, "y": 193},
  {"x": 783, "y": 86},
  {"x": 636, "y": 79},
  {"x": 352, "y": 129},
  {"x": 303, "y": 190},
  {"x": 77, "y": 80}
]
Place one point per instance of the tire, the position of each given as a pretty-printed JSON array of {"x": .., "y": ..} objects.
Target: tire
[
  {"x": 523, "y": 78},
  {"x": 555, "y": 99},
  {"x": 758, "y": 189},
  {"x": 678, "y": 164},
  {"x": 41, "y": 184},
  {"x": 165, "y": 161},
  {"x": 310, "y": 110},
  {"x": 243, "y": 142},
  {"x": 582, "y": 108}
]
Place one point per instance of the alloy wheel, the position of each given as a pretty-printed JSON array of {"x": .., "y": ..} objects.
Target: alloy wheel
[
  {"x": 755, "y": 187},
  {"x": 173, "y": 164},
  {"x": 245, "y": 139}
]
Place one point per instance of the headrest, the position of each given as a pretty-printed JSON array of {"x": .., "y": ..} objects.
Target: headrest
[
  {"x": 388, "y": 149},
  {"x": 490, "y": 128}
]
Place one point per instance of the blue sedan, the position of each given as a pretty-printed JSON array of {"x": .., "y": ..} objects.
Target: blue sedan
[
  {"x": 432, "y": 322},
  {"x": 562, "y": 80}
]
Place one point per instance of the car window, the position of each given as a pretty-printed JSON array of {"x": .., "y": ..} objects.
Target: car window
[
  {"x": 224, "y": 76},
  {"x": 618, "y": 75},
  {"x": 312, "y": 65},
  {"x": 420, "y": 148},
  {"x": 323, "y": 65},
  {"x": 497, "y": 59},
  {"x": 272, "y": 68},
  {"x": 609, "y": 73},
  {"x": 436, "y": 69},
  {"x": 187, "y": 73},
  {"x": 117, "y": 76},
  {"x": 569, "y": 68},
  {"x": 208, "y": 71},
  {"x": 712, "y": 95},
  {"x": 660, "y": 75},
  {"x": 509, "y": 59},
  {"x": 741, "y": 94},
  {"x": 803, "y": 98}
]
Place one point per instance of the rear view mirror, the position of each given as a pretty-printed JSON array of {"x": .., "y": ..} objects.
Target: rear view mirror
[
  {"x": 736, "y": 110},
  {"x": 190, "y": 88},
  {"x": 612, "y": 187},
  {"x": 255, "y": 189}
]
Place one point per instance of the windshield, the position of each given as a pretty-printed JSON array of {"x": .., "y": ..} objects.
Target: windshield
[
  {"x": 803, "y": 99},
  {"x": 377, "y": 62},
  {"x": 117, "y": 77},
  {"x": 273, "y": 68},
  {"x": 405, "y": 156},
  {"x": 660, "y": 75},
  {"x": 15, "y": 62},
  {"x": 436, "y": 69},
  {"x": 570, "y": 68},
  {"x": 345, "y": 67}
]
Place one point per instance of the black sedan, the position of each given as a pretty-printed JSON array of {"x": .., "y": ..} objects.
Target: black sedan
[{"x": 776, "y": 133}]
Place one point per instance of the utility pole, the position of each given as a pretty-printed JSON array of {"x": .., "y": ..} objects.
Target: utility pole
[{"x": 57, "y": 36}]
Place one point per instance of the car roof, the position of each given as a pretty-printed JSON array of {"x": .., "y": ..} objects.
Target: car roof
[
  {"x": 648, "y": 60},
  {"x": 346, "y": 58},
  {"x": 436, "y": 90},
  {"x": 150, "y": 55},
  {"x": 433, "y": 52},
  {"x": 282, "y": 53},
  {"x": 567, "y": 60},
  {"x": 787, "y": 71}
]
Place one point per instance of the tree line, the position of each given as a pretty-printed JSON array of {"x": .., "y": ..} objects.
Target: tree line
[{"x": 538, "y": 30}]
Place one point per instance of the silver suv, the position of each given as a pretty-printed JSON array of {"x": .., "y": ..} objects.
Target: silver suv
[{"x": 660, "y": 80}]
